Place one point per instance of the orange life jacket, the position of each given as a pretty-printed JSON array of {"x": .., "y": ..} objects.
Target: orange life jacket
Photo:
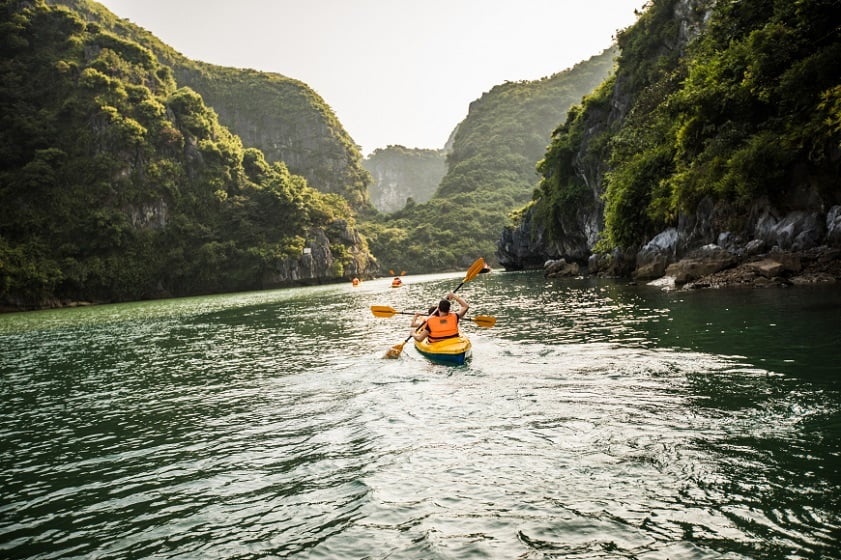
[{"x": 442, "y": 327}]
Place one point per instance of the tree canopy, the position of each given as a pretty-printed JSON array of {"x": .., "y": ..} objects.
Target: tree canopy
[
  {"x": 118, "y": 184},
  {"x": 750, "y": 109}
]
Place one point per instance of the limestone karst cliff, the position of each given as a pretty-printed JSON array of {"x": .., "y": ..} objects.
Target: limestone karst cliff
[
  {"x": 719, "y": 127},
  {"x": 119, "y": 183},
  {"x": 281, "y": 116}
]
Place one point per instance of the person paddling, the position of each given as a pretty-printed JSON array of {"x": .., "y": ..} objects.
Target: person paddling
[{"x": 443, "y": 323}]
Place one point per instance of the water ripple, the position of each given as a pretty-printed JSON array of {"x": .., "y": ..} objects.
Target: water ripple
[{"x": 268, "y": 425}]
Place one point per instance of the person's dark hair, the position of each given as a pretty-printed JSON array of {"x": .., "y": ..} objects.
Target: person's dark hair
[{"x": 444, "y": 306}]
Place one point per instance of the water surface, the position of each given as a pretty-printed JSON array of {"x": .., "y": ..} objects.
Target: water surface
[{"x": 596, "y": 420}]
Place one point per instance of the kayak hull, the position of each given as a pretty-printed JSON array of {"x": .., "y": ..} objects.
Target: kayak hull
[{"x": 455, "y": 351}]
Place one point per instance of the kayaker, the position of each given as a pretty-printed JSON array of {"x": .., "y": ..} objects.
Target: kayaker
[{"x": 443, "y": 323}]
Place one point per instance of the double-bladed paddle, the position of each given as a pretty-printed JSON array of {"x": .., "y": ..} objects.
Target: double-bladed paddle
[
  {"x": 472, "y": 272},
  {"x": 387, "y": 311}
]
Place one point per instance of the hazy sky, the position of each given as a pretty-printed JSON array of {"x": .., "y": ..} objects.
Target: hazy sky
[{"x": 394, "y": 71}]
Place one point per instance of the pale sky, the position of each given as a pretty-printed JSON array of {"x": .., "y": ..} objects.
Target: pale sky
[{"x": 393, "y": 71}]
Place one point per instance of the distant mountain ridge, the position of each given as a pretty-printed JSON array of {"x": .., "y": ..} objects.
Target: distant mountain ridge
[
  {"x": 491, "y": 171},
  {"x": 404, "y": 174}
]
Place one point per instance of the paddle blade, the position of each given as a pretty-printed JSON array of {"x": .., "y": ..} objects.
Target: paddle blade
[
  {"x": 394, "y": 351},
  {"x": 486, "y": 321},
  {"x": 474, "y": 269},
  {"x": 383, "y": 311}
]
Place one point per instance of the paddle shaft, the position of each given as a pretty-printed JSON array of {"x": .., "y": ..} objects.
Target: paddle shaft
[{"x": 388, "y": 311}]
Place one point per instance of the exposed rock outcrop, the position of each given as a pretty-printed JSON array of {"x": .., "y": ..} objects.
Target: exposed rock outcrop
[
  {"x": 317, "y": 263},
  {"x": 521, "y": 247},
  {"x": 561, "y": 268},
  {"x": 804, "y": 248},
  {"x": 707, "y": 260},
  {"x": 527, "y": 245},
  {"x": 819, "y": 265},
  {"x": 656, "y": 255},
  {"x": 153, "y": 215}
]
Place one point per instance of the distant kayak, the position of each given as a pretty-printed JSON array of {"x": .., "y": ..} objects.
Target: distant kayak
[
  {"x": 396, "y": 283},
  {"x": 454, "y": 350}
]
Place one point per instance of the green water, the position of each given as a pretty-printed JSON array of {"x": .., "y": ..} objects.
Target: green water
[{"x": 595, "y": 420}]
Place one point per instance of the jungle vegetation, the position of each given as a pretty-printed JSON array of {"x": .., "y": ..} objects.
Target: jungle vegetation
[
  {"x": 117, "y": 184},
  {"x": 281, "y": 116},
  {"x": 750, "y": 109},
  {"x": 490, "y": 172}
]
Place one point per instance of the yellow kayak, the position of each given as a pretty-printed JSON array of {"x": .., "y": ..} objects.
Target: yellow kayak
[{"x": 454, "y": 350}]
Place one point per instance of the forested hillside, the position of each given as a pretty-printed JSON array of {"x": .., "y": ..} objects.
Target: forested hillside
[
  {"x": 118, "y": 184},
  {"x": 281, "y": 116},
  {"x": 721, "y": 125},
  {"x": 287, "y": 121},
  {"x": 490, "y": 172},
  {"x": 128, "y": 171}
]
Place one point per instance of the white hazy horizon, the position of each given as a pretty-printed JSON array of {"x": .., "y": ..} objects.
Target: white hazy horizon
[{"x": 393, "y": 71}]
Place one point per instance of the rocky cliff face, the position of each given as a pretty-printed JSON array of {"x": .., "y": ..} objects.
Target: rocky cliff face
[
  {"x": 285, "y": 120},
  {"x": 401, "y": 173},
  {"x": 318, "y": 263},
  {"x": 707, "y": 239},
  {"x": 282, "y": 117},
  {"x": 522, "y": 246},
  {"x": 528, "y": 246},
  {"x": 799, "y": 243}
]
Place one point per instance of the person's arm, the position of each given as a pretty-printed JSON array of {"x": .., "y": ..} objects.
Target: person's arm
[
  {"x": 420, "y": 334},
  {"x": 462, "y": 304}
]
